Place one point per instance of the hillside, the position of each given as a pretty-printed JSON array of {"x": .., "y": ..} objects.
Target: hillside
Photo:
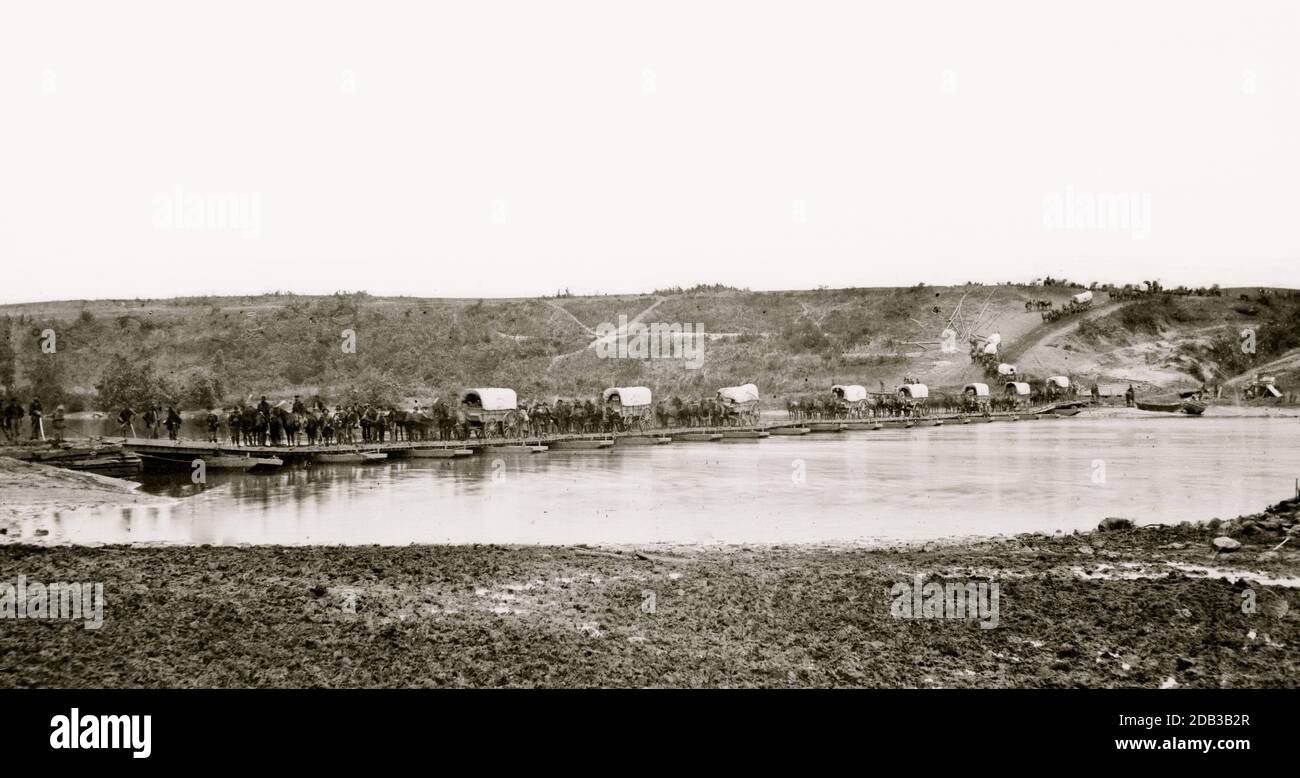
[{"x": 218, "y": 350}]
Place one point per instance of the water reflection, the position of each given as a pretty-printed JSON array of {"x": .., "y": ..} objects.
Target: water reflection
[{"x": 886, "y": 485}]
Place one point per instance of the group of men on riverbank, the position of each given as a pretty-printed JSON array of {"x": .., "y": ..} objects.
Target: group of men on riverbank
[{"x": 12, "y": 414}]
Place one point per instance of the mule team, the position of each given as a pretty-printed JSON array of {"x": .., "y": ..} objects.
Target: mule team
[
  {"x": 265, "y": 424},
  {"x": 891, "y": 406}
]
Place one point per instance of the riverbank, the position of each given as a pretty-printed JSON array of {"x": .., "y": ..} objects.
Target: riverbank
[
  {"x": 1141, "y": 607},
  {"x": 30, "y": 490}
]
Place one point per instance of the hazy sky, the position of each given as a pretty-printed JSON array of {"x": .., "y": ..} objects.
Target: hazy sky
[{"x": 514, "y": 148}]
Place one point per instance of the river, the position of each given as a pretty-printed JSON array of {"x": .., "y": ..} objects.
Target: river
[{"x": 857, "y": 487}]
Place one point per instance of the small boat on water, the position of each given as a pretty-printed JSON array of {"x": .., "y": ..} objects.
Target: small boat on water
[
  {"x": 521, "y": 448},
  {"x": 697, "y": 437},
  {"x": 441, "y": 453},
  {"x": 581, "y": 445},
  {"x": 1190, "y": 407},
  {"x": 860, "y": 425},
  {"x": 746, "y": 435},
  {"x": 790, "y": 430},
  {"x": 826, "y": 426},
  {"x": 239, "y": 462},
  {"x": 266, "y": 462},
  {"x": 643, "y": 440},
  {"x": 351, "y": 458}
]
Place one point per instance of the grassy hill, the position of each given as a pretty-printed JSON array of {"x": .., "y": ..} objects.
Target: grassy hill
[{"x": 221, "y": 349}]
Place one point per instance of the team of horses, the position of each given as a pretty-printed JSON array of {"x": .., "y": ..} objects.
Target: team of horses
[
  {"x": 346, "y": 424},
  {"x": 892, "y": 406},
  {"x": 355, "y": 424}
]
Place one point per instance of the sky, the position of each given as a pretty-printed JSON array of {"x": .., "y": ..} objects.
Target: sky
[{"x": 153, "y": 149}]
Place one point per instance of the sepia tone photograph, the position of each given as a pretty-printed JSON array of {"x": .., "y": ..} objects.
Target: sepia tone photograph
[{"x": 577, "y": 345}]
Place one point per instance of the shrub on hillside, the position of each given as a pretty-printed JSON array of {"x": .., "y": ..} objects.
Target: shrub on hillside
[
  {"x": 46, "y": 380},
  {"x": 200, "y": 388},
  {"x": 374, "y": 387},
  {"x": 128, "y": 382}
]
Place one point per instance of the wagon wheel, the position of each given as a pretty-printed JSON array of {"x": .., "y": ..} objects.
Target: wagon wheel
[{"x": 511, "y": 424}]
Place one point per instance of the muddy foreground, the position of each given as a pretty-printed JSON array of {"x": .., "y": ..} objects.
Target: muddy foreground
[{"x": 1127, "y": 607}]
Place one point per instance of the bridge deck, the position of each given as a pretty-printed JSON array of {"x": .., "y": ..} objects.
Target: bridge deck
[{"x": 198, "y": 447}]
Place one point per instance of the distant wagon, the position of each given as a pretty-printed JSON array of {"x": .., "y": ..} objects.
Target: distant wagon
[
  {"x": 914, "y": 397},
  {"x": 985, "y": 350},
  {"x": 975, "y": 397},
  {"x": 1017, "y": 392},
  {"x": 1059, "y": 386},
  {"x": 491, "y": 410},
  {"x": 1082, "y": 298},
  {"x": 852, "y": 398},
  {"x": 740, "y": 403},
  {"x": 1005, "y": 369},
  {"x": 632, "y": 404}
]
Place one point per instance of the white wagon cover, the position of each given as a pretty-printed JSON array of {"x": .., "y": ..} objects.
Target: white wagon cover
[
  {"x": 739, "y": 394},
  {"x": 1061, "y": 381},
  {"x": 629, "y": 396},
  {"x": 1019, "y": 387},
  {"x": 851, "y": 392},
  {"x": 493, "y": 399},
  {"x": 915, "y": 391},
  {"x": 981, "y": 390}
]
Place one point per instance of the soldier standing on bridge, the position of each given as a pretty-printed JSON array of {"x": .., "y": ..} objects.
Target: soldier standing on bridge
[
  {"x": 34, "y": 411},
  {"x": 57, "y": 418},
  {"x": 150, "y": 421},
  {"x": 12, "y": 413},
  {"x": 1129, "y": 395},
  {"x": 173, "y": 423},
  {"x": 124, "y": 421},
  {"x": 214, "y": 422}
]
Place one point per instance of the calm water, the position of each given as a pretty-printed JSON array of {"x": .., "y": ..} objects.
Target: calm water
[{"x": 978, "y": 479}]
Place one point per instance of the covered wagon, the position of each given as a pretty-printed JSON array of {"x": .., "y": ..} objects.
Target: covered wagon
[
  {"x": 491, "y": 410},
  {"x": 976, "y": 397},
  {"x": 1005, "y": 369},
  {"x": 1017, "y": 392},
  {"x": 1059, "y": 386},
  {"x": 631, "y": 405},
  {"x": 914, "y": 397},
  {"x": 739, "y": 403},
  {"x": 1082, "y": 298},
  {"x": 850, "y": 399}
]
